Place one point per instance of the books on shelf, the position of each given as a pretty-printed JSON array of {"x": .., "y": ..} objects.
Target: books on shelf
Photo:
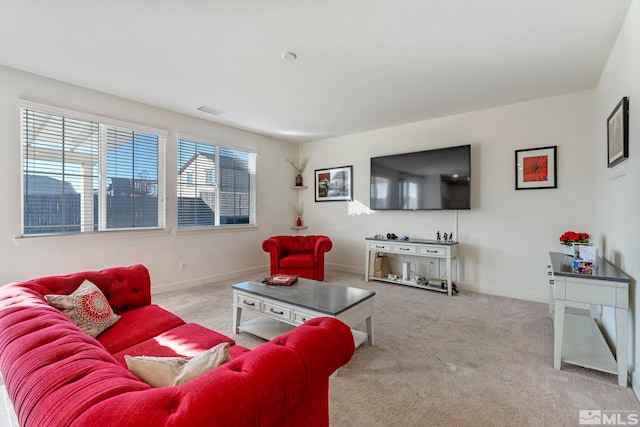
[{"x": 282, "y": 279}]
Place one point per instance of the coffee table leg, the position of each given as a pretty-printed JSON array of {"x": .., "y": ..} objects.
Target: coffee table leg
[
  {"x": 236, "y": 319},
  {"x": 369, "y": 323}
]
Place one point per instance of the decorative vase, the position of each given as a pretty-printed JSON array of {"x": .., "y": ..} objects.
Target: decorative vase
[
  {"x": 298, "y": 180},
  {"x": 299, "y": 222}
]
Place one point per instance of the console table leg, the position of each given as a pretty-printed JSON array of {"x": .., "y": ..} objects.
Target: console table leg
[
  {"x": 558, "y": 331},
  {"x": 621, "y": 345}
]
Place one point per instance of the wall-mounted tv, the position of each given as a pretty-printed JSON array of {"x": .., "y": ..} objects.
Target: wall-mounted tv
[{"x": 423, "y": 180}]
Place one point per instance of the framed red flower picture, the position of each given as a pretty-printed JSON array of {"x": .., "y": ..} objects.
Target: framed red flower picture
[{"x": 536, "y": 168}]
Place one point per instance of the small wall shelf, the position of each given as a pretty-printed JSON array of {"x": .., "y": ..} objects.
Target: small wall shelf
[
  {"x": 299, "y": 187},
  {"x": 301, "y": 227}
]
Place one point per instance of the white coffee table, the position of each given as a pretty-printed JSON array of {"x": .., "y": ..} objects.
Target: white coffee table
[{"x": 281, "y": 308}]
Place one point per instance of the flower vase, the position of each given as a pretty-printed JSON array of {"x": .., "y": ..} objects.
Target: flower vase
[
  {"x": 299, "y": 222},
  {"x": 298, "y": 180}
]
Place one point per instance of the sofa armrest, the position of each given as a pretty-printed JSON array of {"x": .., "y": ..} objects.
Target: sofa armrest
[
  {"x": 323, "y": 244},
  {"x": 275, "y": 249},
  {"x": 281, "y": 383}
]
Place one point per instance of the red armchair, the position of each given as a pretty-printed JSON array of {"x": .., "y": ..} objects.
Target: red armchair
[{"x": 301, "y": 255}]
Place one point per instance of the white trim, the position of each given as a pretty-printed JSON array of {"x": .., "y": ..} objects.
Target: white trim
[
  {"x": 208, "y": 280},
  {"x": 37, "y": 239}
]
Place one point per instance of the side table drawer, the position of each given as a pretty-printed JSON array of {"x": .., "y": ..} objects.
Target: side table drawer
[
  {"x": 383, "y": 247},
  {"x": 299, "y": 317},
  {"x": 403, "y": 249},
  {"x": 245, "y": 301},
  {"x": 433, "y": 251},
  {"x": 277, "y": 311}
]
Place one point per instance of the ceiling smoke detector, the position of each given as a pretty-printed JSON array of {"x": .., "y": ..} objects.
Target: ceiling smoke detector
[{"x": 210, "y": 110}]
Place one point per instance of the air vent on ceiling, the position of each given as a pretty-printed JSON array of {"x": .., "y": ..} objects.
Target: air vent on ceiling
[{"x": 210, "y": 110}]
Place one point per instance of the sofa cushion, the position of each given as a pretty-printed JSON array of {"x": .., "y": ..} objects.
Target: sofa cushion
[
  {"x": 87, "y": 307},
  {"x": 172, "y": 371},
  {"x": 137, "y": 325},
  {"x": 186, "y": 340},
  {"x": 301, "y": 260}
]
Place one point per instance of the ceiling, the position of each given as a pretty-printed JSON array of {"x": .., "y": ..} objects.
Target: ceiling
[{"x": 361, "y": 64}]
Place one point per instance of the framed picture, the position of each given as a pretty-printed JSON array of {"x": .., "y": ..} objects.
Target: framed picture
[
  {"x": 334, "y": 184},
  {"x": 536, "y": 168},
  {"x": 618, "y": 133}
]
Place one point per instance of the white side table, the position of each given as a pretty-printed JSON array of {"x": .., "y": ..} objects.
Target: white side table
[{"x": 577, "y": 339}]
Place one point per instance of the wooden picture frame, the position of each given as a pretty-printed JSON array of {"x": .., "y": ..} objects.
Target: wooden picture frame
[
  {"x": 334, "y": 184},
  {"x": 536, "y": 168},
  {"x": 618, "y": 133}
]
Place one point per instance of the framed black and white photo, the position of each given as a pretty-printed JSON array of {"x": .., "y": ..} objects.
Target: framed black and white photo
[
  {"x": 618, "y": 133},
  {"x": 334, "y": 184}
]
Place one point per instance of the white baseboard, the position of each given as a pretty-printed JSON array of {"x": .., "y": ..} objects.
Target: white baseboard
[{"x": 176, "y": 286}]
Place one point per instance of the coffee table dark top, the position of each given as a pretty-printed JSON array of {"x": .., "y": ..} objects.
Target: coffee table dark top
[{"x": 325, "y": 298}]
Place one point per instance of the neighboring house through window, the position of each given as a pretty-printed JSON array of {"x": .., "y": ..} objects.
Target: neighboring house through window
[
  {"x": 81, "y": 174},
  {"x": 216, "y": 185}
]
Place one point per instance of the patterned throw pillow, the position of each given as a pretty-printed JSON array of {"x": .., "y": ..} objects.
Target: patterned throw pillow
[
  {"x": 172, "y": 371},
  {"x": 87, "y": 307}
]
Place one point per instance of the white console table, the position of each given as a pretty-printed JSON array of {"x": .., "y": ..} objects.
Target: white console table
[
  {"x": 577, "y": 339},
  {"x": 415, "y": 248}
]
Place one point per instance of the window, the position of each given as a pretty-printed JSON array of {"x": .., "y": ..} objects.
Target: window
[
  {"x": 216, "y": 185},
  {"x": 82, "y": 175}
]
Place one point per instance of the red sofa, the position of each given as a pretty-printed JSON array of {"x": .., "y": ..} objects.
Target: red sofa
[
  {"x": 301, "y": 255},
  {"x": 56, "y": 375}
]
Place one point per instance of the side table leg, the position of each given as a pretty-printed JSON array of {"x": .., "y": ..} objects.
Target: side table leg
[
  {"x": 621, "y": 345},
  {"x": 366, "y": 265},
  {"x": 558, "y": 331}
]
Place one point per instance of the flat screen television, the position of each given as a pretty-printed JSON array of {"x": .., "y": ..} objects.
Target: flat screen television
[{"x": 424, "y": 180}]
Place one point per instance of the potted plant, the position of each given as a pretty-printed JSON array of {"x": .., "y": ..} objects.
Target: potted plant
[
  {"x": 299, "y": 167},
  {"x": 570, "y": 238}
]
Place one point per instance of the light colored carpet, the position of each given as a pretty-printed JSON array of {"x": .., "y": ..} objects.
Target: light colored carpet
[{"x": 467, "y": 360}]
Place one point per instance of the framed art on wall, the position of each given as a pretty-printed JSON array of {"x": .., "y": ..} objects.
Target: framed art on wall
[
  {"x": 334, "y": 184},
  {"x": 618, "y": 133},
  {"x": 536, "y": 168}
]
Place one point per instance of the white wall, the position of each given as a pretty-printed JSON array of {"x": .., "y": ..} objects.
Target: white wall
[
  {"x": 617, "y": 201},
  {"x": 208, "y": 255},
  {"x": 506, "y": 236}
]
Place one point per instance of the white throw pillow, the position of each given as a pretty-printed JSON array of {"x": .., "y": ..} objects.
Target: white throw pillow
[
  {"x": 172, "y": 371},
  {"x": 87, "y": 307}
]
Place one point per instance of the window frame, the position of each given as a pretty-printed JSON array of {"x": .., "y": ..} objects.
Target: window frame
[
  {"x": 103, "y": 123},
  {"x": 217, "y": 176}
]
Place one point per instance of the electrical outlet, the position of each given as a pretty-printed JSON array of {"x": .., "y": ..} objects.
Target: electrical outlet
[{"x": 182, "y": 266}]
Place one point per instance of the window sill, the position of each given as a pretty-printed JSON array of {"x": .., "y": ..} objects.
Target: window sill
[
  {"x": 218, "y": 229},
  {"x": 115, "y": 234}
]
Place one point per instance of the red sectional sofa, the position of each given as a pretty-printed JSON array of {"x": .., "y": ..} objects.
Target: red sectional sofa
[{"x": 56, "y": 375}]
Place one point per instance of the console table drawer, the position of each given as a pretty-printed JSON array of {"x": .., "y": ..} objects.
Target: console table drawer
[
  {"x": 299, "y": 317},
  {"x": 433, "y": 251},
  {"x": 404, "y": 249},
  {"x": 249, "y": 303},
  {"x": 277, "y": 311},
  {"x": 383, "y": 247}
]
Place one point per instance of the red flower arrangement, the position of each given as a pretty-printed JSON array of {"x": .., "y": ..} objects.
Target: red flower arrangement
[{"x": 570, "y": 237}]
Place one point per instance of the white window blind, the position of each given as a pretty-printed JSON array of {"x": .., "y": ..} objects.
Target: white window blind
[
  {"x": 216, "y": 185},
  {"x": 83, "y": 175}
]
